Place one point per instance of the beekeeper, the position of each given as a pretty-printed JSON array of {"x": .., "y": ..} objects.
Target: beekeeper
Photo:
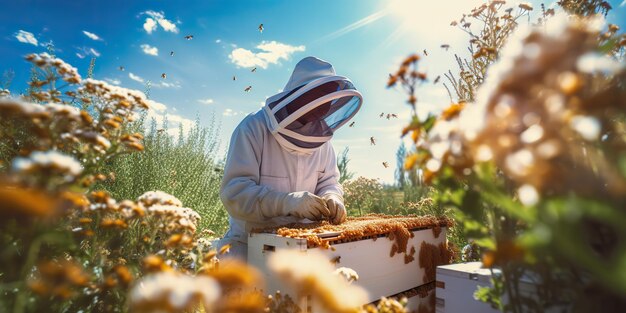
[{"x": 281, "y": 167}]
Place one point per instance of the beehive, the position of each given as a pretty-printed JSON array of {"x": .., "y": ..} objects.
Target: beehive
[{"x": 393, "y": 255}]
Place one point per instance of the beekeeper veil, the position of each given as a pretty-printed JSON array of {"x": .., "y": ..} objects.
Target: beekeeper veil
[{"x": 314, "y": 103}]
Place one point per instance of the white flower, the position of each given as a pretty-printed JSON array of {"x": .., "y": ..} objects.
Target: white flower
[
  {"x": 178, "y": 291},
  {"x": 48, "y": 159},
  {"x": 312, "y": 273},
  {"x": 159, "y": 197}
]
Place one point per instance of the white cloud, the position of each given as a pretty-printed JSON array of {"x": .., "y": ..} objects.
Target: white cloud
[
  {"x": 164, "y": 84},
  {"x": 230, "y": 112},
  {"x": 94, "y": 52},
  {"x": 86, "y": 51},
  {"x": 218, "y": 40},
  {"x": 149, "y": 25},
  {"x": 147, "y": 49},
  {"x": 91, "y": 35},
  {"x": 113, "y": 81},
  {"x": 136, "y": 78},
  {"x": 155, "y": 18},
  {"x": 623, "y": 3},
  {"x": 269, "y": 53},
  {"x": 159, "y": 111},
  {"x": 26, "y": 37},
  {"x": 205, "y": 101}
]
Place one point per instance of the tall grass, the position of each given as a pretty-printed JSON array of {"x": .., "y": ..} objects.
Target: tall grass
[{"x": 186, "y": 165}]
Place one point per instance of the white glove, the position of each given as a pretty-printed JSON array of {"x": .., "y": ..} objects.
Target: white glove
[
  {"x": 301, "y": 204},
  {"x": 334, "y": 202}
]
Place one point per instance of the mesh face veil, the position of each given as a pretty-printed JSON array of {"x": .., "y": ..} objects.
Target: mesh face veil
[{"x": 304, "y": 117}]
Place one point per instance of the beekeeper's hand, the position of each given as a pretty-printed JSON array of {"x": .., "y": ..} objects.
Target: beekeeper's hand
[
  {"x": 301, "y": 204},
  {"x": 334, "y": 202}
]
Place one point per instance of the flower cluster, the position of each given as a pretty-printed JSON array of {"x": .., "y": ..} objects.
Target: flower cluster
[
  {"x": 539, "y": 109},
  {"x": 173, "y": 292},
  {"x": 311, "y": 273}
]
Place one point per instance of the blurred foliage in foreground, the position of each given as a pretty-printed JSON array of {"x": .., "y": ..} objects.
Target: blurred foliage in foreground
[{"x": 532, "y": 153}]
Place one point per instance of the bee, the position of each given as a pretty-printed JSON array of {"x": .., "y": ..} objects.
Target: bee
[
  {"x": 437, "y": 79},
  {"x": 171, "y": 53},
  {"x": 121, "y": 68},
  {"x": 385, "y": 164},
  {"x": 336, "y": 260},
  {"x": 248, "y": 89},
  {"x": 351, "y": 124},
  {"x": 234, "y": 77},
  {"x": 394, "y": 115},
  {"x": 253, "y": 70},
  {"x": 372, "y": 141},
  {"x": 425, "y": 53},
  {"x": 382, "y": 114},
  {"x": 164, "y": 76},
  {"x": 388, "y": 115},
  {"x": 261, "y": 28},
  {"x": 467, "y": 25},
  {"x": 189, "y": 37},
  {"x": 160, "y": 130},
  {"x": 445, "y": 46}
]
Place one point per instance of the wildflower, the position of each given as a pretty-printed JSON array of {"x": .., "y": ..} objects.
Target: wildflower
[
  {"x": 538, "y": 104},
  {"x": 311, "y": 273},
  {"x": 526, "y": 6},
  {"x": 173, "y": 292},
  {"x": 158, "y": 197},
  {"x": 348, "y": 274},
  {"x": 452, "y": 111},
  {"x": 58, "y": 279},
  {"x": 154, "y": 263},
  {"x": 25, "y": 203},
  {"x": 235, "y": 275},
  {"x": 48, "y": 161}
]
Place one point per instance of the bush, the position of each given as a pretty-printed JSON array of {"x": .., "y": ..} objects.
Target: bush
[{"x": 186, "y": 167}]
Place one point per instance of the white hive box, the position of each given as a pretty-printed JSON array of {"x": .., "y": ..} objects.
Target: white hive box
[
  {"x": 456, "y": 284},
  {"x": 379, "y": 274}
]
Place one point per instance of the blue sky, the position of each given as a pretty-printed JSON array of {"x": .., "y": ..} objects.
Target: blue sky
[{"x": 364, "y": 39}]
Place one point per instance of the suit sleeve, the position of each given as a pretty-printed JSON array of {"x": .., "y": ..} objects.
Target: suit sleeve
[
  {"x": 329, "y": 182},
  {"x": 240, "y": 190}
]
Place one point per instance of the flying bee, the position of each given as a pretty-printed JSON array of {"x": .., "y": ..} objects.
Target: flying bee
[
  {"x": 351, "y": 124},
  {"x": 171, "y": 53},
  {"x": 164, "y": 76},
  {"x": 388, "y": 115},
  {"x": 445, "y": 46},
  {"x": 248, "y": 89},
  {"x": 189, "y": 37},
  {"x": 437, "y": 79},
  {"x": 425, "y": 53},
  {"x": 385, "y": 164},
  {"x": 261, "y": 28},
  {"x": 234, "y": 77},
  {"x": 160, "y": 130},
  {"x": 253, "y": 70},
  {"x": 394, "y": 115},
  {"x": 381, "y": 114},
  {"x": 121, "y": 68},
  {"x": 336, "y": 260},
  {"x": 372, "y": 141}
]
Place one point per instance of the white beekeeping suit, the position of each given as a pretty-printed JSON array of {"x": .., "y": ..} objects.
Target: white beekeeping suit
[{"x": 281, "y": 167}]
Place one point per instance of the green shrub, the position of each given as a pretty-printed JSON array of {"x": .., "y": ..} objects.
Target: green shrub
[{"x": 187, "y": 166}]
